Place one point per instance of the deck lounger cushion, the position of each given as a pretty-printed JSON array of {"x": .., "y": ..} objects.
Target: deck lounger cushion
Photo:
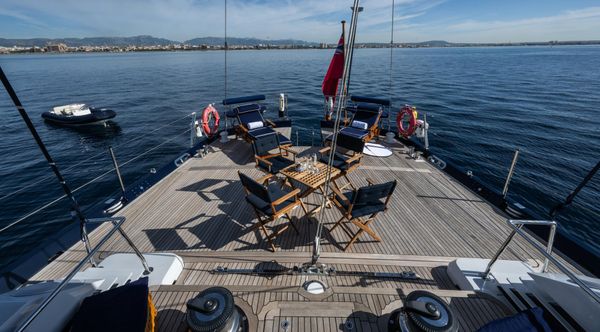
[
  {"x": 255, "y": 124},
  {"x": 359, "y": 125},
  {"x": 354, "y": 132},
  {"x": 525, "y": 321}
]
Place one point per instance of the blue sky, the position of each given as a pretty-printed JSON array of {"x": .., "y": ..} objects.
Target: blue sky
[{"x": 312, "y": 20}]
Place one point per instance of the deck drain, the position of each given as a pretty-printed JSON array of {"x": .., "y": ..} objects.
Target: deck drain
[
  {"x": 285, "y": 325},
  {"x": 314, "y": 287}
]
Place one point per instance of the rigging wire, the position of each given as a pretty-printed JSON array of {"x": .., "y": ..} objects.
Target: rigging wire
[
  {"x": 391, "y": 63},
  {"x": 342, "y": 100},
  {"x": 89, "y": 182},
  {"x": 226, "y": 47},
  {"x": 86, "y": 160}
]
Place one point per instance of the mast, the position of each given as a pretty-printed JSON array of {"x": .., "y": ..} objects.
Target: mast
[{"x": 339, "y": 106}]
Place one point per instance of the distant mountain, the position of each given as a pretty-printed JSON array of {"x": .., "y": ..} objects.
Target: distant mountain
[
  {"x": 214, "y": 41},
  {"x": 89, "y": 41},
  {"x": 144, "y": 41}
]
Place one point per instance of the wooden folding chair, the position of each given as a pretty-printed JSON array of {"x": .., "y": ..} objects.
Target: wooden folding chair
[
  {"x": 360, "y": 207},
  {"x": 269, "y": 154},
  {"x": 347, "y": 157},
  {"x": 270, "y": 202}
]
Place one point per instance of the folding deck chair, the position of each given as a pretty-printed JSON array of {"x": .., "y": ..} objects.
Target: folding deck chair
[
  {"x": 251, "y": 123},
  {"x": 269, "y": 153},
  {"x": 270, "y": 202},
  {"x": 360, "y": 207},
  {"x": 364, "y": 124},
  {"x": 346, "y": 158}
]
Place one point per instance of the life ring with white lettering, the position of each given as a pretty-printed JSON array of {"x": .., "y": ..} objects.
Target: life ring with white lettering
[
  {"x": 210, "y": 113},
  {"x": 410, "y": 111}
]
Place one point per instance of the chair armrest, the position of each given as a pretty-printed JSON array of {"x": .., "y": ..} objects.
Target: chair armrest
[
  {"x": 325, "y": 149},
  {"x": 262, "y": 159},
  {"x": 270, "y": 123},
  {"x": 354, "y": 158},
  {"x": 370, "y": 181},
  {"x": 242, "y": 128},
  {"x": 339, "y": 194},
  {"x": 286, "y": 197},
  {"x": 265, "y": 178},
  {"x": 288, "y": 149}
]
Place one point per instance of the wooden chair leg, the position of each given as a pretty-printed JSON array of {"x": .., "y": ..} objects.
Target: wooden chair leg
[
  {"x": 267, "y": 236},
  {"x": 292, "y": 223},
  {"x": 354, "y": 238},
  {"x": 364, "y": 227},
  {"x": 337, "y": 223}
]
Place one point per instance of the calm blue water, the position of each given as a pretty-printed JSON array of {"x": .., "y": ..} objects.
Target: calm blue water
[{"x": 482, "y": 103}]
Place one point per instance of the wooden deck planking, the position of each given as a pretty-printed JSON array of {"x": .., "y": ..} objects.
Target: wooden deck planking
[{"x": 200, "y": 213}]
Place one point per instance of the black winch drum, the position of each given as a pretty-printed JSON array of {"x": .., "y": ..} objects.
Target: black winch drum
[
  {"x": 423, "y": 311},
  {"x": 214, "y": 310}
]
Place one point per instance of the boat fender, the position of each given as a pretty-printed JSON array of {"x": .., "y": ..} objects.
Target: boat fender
[
  {"x": 410, "y": 111},
  {"x": 197, "y": 128},
  {"x": 210, "y": 113},
  {"x": 181, "y": 159},
  {"x": 437, "y": 162},
  {"x": 114, "y": 207}
]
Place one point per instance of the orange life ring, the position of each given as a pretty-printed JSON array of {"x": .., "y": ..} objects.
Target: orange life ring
[
  {"x": 210, "y": 113},
  {"x": 411, "y": 111}
]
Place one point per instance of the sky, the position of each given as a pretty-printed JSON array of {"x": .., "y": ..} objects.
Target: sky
[{"x": 310, "y": 20}]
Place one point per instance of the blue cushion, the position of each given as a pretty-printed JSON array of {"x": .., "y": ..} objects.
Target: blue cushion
[
  {"x": 275, "y": 192},
  {"x": 531, "y": 320},
  {"x": 262, "y": 131},
  {"x": 354, "y": 132},
  {"x": 361, "y": 209},
  {"x": 339, "y": 161},
  {"x": 278, "y": 163}
]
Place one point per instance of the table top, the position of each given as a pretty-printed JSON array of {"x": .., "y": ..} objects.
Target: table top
[{"x": 309, "y": 179}]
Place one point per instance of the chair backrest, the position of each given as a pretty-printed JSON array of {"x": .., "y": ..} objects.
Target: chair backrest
[
  {"x": 251, "y": 114},
  {"x": 265, "y": 143},
  {"x": 374, "y": 193},
  {"x": 367, "y": 114},
  {"x": 350, "y": 143},
  {"x": 255, "y": 188}
]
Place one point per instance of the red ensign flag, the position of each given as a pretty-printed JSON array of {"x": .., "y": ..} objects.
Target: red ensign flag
[{"x": 334, "y": 73}]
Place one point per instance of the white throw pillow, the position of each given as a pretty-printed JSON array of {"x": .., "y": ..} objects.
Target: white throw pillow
[
  {"x": 359, "y": 125},
  {"x": 255, "y": 124}
]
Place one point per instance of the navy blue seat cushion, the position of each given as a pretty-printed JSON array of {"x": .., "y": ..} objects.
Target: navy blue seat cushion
[
  {"x": 339, "y": 161},
  {"x": 278, "y": 163},
  {"x": 249, "y": 116},
  {"x": 361, "y": 209},
  {"x": 531, "y": 320},
  {"x": 275, "y": 192},
  {"x": 262, "y": 131},
  {"x": 124, "y": 308},
  {"x": 354, "y": 132}
]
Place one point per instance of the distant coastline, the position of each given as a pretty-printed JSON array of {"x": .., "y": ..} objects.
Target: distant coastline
[{"x": 153, "y": 44}]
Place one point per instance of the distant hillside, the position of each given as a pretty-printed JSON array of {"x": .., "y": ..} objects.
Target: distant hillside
[
  {"x": 88, "y": 41},
  {"x": 144, "y": 41},
  {"x": 245, "y": 41}
]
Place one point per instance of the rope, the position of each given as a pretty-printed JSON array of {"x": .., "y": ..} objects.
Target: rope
[
  {"x": 84, "y": 161},
  {"x": 89, "y": 182}
]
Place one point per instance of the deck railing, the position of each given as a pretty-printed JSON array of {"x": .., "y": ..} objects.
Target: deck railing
[
  {"x": 516, "y": 226},
  {"x": 117, "y": 222}
]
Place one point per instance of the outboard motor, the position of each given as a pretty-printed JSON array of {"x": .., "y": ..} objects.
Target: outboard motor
[
  {"x": 423, "y": 311},
  {"x": 214, "y": 310}
]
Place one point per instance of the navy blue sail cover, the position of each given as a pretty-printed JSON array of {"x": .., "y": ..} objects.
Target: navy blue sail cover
[
  {"x": 370, "y": 100},
  {"x": 246, "y": 99}
]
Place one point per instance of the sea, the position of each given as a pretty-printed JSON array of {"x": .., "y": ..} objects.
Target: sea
[{"x": 481, "y": 104}]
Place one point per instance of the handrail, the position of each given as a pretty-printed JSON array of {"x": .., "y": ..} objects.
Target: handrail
[
  {"x": 516, "y": 225},
  {"x": 117, "y": 222}
]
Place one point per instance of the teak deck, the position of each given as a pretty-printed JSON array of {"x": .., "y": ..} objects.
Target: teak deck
[{"x": 199, "y": 212}]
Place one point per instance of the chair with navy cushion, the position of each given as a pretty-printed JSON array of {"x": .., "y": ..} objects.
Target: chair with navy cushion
[
  {"x": 269, "y": 154},
  {"x": 347, "y": 158},
  {"x": 360, "y": 207},
  {"x": 364, "y": 124},
  {"x": 270, "y": 202},
  {"x": 252, "y": 125}
]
